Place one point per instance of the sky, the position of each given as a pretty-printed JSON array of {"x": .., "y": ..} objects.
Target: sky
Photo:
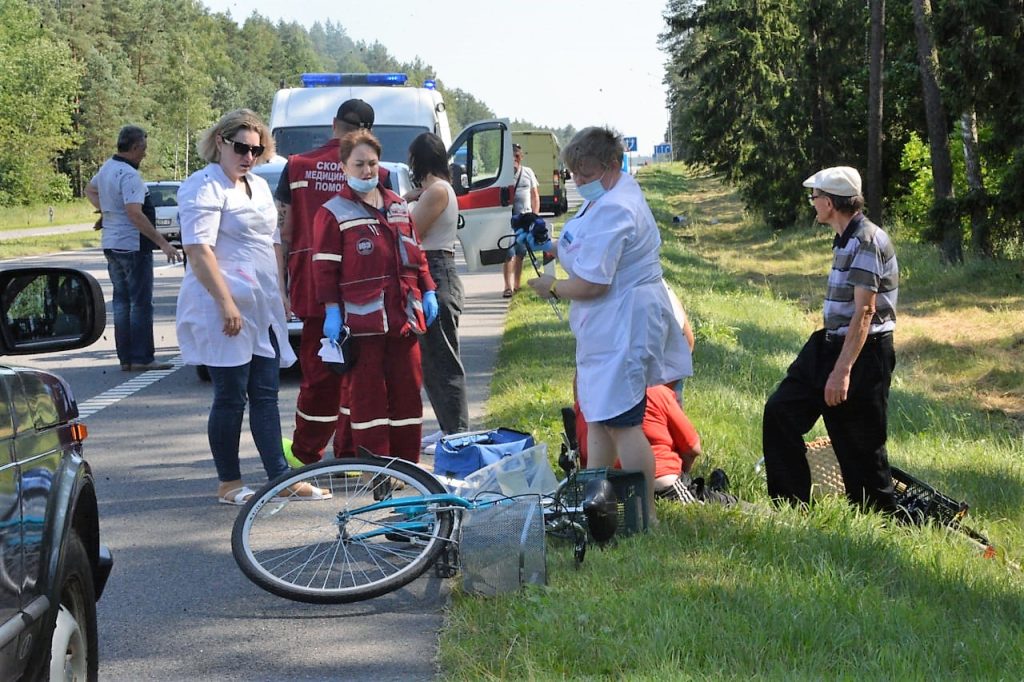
[{"x": 550, "y": 62}]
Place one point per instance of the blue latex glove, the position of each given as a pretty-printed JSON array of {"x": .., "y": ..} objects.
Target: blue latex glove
[
  {"x": 430, "y": 306},
  {"x": 534, "y": 245},
  {"x": 521, "y": 237},
  {"x": 332, "y": 322}
]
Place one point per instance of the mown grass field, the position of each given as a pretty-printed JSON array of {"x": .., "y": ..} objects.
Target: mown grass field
[
  {"x": 38, "y": 215},
  {"x": 828, "y": 593}
]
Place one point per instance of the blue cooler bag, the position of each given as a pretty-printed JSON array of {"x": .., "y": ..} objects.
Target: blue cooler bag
[{"x": 460, "y": 454}]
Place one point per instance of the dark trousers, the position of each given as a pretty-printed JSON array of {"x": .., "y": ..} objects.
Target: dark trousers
[
  {"x": 444, "y": 377},
  {"x": 857, "y": 427}
]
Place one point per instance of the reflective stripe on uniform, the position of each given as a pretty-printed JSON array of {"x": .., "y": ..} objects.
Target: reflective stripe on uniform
[
  {"x": 311, "y": 418},
  {"x": 336, "y": 257},
  {"x": 349, "y": 224},
  {"x": 362, "y": 426},
  {"x": 298, "y": 184}
]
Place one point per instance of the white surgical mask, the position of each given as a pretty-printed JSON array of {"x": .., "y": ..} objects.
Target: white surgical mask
[
  {"x": 591, "y": 191},
  {"x": 362, "y": 186}
]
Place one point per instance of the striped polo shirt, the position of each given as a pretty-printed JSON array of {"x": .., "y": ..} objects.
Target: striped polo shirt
[{"x": 863, "y": 256}]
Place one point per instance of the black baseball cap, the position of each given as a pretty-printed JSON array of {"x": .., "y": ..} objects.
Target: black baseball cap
[{"x": 356, "y": 112}]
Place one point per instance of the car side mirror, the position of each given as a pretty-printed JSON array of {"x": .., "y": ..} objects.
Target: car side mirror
[{"x": 46, "y": 309}]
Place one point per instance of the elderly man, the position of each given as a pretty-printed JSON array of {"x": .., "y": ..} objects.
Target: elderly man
[
  {"x": 526, "y": 199},
  {"x": 307, "y": 182},
  {"x": 129, "y": 237},
  {"x": 843, "y": 372}
]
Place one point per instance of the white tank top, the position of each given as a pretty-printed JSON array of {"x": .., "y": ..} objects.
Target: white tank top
[{"x": 441, "y": 236}]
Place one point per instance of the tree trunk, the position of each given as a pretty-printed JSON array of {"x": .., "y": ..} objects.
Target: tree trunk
[
  {"x": 981, "y": 239},
  {"x": 875, "y": 107},
  {"x": 943, "y": 210}
]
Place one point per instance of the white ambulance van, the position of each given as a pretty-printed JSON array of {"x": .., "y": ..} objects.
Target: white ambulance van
[{"x": 480, "y": 156}]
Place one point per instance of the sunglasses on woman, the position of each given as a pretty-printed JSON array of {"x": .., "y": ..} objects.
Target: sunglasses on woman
[{"x": 242, "y": 149}]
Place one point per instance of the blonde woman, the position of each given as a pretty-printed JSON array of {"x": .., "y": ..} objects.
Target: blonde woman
[{"x": 231, "y": 314}]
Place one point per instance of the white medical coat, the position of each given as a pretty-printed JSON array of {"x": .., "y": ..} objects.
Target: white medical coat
[
  {"x": 242, "y": 232},
  {"x": 628, "y": 338}
]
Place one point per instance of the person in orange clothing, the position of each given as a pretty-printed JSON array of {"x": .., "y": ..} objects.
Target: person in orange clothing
[{"x": 673, "y": 438}]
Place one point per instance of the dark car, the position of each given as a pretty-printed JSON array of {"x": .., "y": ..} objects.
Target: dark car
[{"x": 52, "y": 565}]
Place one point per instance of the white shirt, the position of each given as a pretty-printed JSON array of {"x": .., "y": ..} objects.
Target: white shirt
[
  {"x": 628, "y": 338},
  {"x": 442, "y": 234},
  {"x": 242, "y": 232},
  {"x": 118, "y": 184},
  {"x": 525, "y": 181}
]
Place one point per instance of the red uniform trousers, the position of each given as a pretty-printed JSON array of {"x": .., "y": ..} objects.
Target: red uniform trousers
[
  {"x": 316, "y": 410},
  {"x": 381, "y": 408}
]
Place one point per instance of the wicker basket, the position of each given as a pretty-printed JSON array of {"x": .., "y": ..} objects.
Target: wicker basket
[{"x": 826, "y": 477}]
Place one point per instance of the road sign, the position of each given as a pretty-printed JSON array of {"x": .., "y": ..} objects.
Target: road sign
[
  {"x": 662, "y": 149},
  {"x": 630, "y": 143}
]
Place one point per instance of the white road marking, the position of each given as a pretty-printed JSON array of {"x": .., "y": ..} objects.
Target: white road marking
[{"x": 89, "y": 407}]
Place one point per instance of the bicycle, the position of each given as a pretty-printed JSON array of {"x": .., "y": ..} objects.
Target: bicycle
[{"x": 387, "y": 522}]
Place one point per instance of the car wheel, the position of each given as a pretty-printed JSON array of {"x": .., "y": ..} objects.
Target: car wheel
[
  {"x": 203, "y": 372},
  {"x": 73, "y": 647}
]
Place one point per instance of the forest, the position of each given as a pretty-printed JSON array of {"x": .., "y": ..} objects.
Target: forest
[
  {"x": 74, "y": 71},
  {"x": 926, "y": 97}
]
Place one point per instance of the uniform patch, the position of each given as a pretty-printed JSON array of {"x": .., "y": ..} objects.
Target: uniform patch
[
  {"x": 364, "y": 247},
  {"x": 398, "y": 209}
]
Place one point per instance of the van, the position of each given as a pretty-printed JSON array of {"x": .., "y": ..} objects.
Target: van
[
  {"x": 543, "y": 155},
  {"x": 300, "y": 120}
]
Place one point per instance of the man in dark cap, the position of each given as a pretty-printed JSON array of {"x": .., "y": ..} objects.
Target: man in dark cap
[
  {"x": 844, "y": 370},
  {"x": 307, "y": 182}
]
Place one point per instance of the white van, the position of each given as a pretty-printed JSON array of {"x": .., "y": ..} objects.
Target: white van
[{"x": 481, "y": 155}]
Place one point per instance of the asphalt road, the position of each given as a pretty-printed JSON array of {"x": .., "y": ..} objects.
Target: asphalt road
[{"x": 176, "y": 606}]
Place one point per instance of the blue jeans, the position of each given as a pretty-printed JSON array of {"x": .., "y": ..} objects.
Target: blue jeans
[
  {"x": 258, "y": 382},
  {"x": 131, "y": 273}
]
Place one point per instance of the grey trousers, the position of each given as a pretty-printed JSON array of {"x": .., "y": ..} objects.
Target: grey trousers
[{"x": 444, "y": 377}]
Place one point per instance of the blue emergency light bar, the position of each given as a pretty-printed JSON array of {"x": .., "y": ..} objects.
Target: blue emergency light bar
[
  {"x": 430, "y": 84},
  {"x": 321, "y": 80}
]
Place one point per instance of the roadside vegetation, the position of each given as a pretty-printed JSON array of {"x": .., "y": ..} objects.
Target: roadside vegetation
[
  {"x": 760, "y": 592},
  {"x": 38, "y": 246},
  {"x": 74, "y": 212}
]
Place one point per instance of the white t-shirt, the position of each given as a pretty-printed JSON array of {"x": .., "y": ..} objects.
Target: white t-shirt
[
  {"x": 119, "y": 183},
  {"x": 627, "y": 339},
  {"x": 242, "y": 232},
  {"x": 525, "y": 181},
  {"x": 442, "y": 234}
]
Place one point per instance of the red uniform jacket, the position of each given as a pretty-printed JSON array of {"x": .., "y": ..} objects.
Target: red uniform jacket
[{"x": 370, "y": 262}]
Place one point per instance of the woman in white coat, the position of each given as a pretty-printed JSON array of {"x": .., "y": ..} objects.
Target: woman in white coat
[
  {"x": 627, "y": 337},
  {"x": 230, "y": 314}
]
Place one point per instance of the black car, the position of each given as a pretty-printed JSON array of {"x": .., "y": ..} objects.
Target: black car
[{"x": 52, "y": 565}]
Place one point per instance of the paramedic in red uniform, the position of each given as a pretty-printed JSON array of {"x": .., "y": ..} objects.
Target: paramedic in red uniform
[
  {"x": 307, "y": 182},
  {"x": 371, "y": 276}
]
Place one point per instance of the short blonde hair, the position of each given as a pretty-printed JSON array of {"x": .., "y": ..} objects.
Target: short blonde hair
[
  {"x": 602, "y": 145},
  {"x": 229, "y": 124}
]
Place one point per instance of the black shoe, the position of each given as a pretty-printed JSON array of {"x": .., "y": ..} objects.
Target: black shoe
[{"x": 718, "y": 481}]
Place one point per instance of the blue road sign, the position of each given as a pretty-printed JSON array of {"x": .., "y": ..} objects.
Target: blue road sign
[
  {"x": 630, "y": 143},
  {"x": 662, "y": 149}
]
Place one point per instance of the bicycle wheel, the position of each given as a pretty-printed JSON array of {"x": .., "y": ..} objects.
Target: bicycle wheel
[{"x": 336, "y": 551}]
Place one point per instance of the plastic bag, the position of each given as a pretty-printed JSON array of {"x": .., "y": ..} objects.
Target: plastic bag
[{"x": 526, "y": 472}]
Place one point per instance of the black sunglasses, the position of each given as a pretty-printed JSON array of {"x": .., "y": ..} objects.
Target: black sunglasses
[{"x": 241, "y": 149}]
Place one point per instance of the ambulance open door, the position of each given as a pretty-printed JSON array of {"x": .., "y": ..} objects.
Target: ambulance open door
[{"x": 480, "y": 160}]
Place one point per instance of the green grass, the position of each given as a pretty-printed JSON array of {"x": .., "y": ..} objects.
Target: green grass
[
  {"x": 36, "y": 246},
  {"x": 38, "y": 215},
  {"x": 780, "y": 594}
]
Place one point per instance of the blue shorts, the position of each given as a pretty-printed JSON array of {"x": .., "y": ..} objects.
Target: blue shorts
[
  {"x": 516, "y": 249},
  {"x": 634, "y": 416}
]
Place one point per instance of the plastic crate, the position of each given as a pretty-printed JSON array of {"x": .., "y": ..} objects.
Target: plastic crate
[
  {"x": 629, "y": 489},
  {"x": 923, "y": 501}
]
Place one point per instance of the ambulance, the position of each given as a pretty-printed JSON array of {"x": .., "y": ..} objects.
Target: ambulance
[{"x": 480, "y": 156}]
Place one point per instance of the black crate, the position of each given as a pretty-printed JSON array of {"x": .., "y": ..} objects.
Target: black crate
[
  {"x": 629, "y": 489},
  {"x": 924, "y": 502}
]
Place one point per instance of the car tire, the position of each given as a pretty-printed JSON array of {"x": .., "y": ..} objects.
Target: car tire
[
  {"x": 203, "y": 372},
  {"x": 73, "y": 646}
]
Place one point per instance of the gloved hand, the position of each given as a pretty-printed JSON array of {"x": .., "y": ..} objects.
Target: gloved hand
[
  {"x": 534, "y": 245},
  {"x": 332, "y": 322},
  {"x": 430, "y": 306}
]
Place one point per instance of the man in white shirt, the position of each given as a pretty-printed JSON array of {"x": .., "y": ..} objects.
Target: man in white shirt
[
  {"x": 526, "y": 200},
  {"x": 129, "y": 237}
]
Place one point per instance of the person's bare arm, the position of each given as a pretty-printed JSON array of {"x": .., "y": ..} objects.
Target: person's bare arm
[
  {"x": 204, "y": 264},
  {"x": 838, "y": 383},
  {"x": 535, "y": 199},
  {"x": 429, "y": 207},
  {"x": 574, "y": 288},
  {"x": 142, "y": 224},
  {"x": 92, "y": 193}
]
